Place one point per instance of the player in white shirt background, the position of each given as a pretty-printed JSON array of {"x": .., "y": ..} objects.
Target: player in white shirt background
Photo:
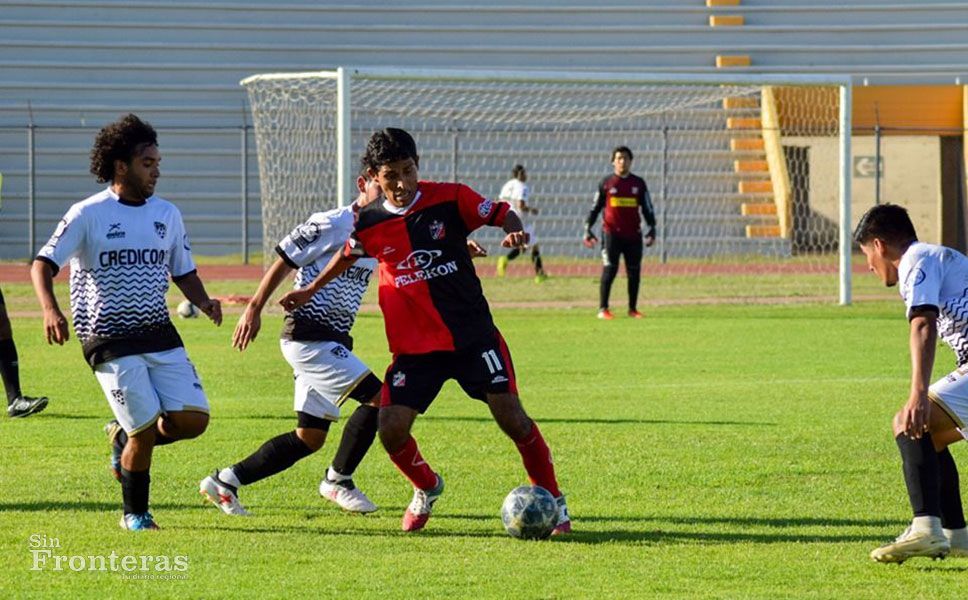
[
  {"x": 517, "y": 193},
  {"x": 123, "y": 245},
  {"x": 933, "y": 283}
]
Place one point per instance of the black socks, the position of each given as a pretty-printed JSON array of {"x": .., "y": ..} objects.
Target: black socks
[
  {"x": 921, "y": 474},
  {"x": 358, "y": 436},
  {"x": 274, "y": 456}
]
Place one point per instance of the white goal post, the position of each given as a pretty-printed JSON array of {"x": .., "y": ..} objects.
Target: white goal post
[{"x": 749, "y": 175}]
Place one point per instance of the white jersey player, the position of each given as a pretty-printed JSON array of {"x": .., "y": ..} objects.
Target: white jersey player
[
  {"x": 317, "y": 344},
  {"x": 517, "y": 193},
  {"x": 123, "y": 244},
  {"x": 933, "y": 283}
]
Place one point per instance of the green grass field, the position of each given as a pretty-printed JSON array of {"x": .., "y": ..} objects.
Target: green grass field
[{"x": 708, "y": 451}]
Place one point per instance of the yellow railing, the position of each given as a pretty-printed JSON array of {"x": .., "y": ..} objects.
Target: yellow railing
[{"x": 779, "y": 176}]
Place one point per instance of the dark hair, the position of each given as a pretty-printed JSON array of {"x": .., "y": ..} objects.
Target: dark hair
[
  {"x": 888, "y": 222},
  {"x": 120, "y": 140},
  {"x": 517, "y": 171},
  {"x": 387, "y": 146},
  {"x": 624, "y": 149}
]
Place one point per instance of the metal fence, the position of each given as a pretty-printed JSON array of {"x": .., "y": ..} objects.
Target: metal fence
[{"x": 210, "y": 173}]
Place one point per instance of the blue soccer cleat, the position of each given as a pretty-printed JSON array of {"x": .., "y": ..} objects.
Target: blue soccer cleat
[{"x": 138, "y": 522}]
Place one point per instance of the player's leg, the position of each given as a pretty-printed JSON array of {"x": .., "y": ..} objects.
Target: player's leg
[
  {"x": 18, "y": 405},
  {"x": 410, "y": 385},
  {"x": 610, "y": 258},
  {"x": 136, "y": 407},
  {"x": 358, "y": 435},
  {"x": 539, "y": 272},
  {"x": 920, "y": 465},
  {"x": 949, "y": 410},
  {"x": 632, "y": 252},
  {"x": 487, "y": 374},
  {"x": 502, "y": 261}
]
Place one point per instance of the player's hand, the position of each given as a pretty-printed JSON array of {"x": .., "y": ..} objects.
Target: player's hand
[
  {"x": 295, "y": 299},
  {"x": 914, "y": 416},
  {"x": 247, "y": 329},
  {"x": 589, "y": 240},
  {"x": 649, "y": 240},
  {"x": 55, "y": 327},
  {"x": 213, "y": 310},
  {"x": 476, "y": 250},
  {"x": 516, "y": 239}
]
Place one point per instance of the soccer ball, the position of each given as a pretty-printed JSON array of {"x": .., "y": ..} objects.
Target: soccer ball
[
  {"x": 529, "y": 513},
  {"x": 187, "y": 310}
]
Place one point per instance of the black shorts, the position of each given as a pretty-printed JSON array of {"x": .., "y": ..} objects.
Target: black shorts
[
  {"x": 414, "y": 380},
  {"x": 629, "y": 248}
]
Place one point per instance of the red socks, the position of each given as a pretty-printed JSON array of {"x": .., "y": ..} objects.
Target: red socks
[
  {"x": 537, "y": 461},
  {"x": 414, "y": 467}
]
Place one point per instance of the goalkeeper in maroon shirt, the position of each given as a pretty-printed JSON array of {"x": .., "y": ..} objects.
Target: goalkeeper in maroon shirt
[
  {"x": 438, "y": 323},
  {"x": 622, "y": 196}
]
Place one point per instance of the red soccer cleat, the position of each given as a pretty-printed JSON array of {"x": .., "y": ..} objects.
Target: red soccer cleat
[
  {"x": 636, "y": 314},
  {"x": 418, "y": 513},
  {"x": 605, "y": 314},
  {"x": 564, "y": 519}
]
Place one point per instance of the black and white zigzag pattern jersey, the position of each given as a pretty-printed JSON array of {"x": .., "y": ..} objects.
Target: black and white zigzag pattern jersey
[
  {"x": 121, "y": 257},
  {"x": 330, "y": 314},
  {"x": 937, "y": 276}
]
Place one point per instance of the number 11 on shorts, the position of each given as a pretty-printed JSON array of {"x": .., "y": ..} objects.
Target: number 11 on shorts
[{"x": 492, "y": 361}]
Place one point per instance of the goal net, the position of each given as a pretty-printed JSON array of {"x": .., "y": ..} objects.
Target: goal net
[{"x": 745, "y": 175}]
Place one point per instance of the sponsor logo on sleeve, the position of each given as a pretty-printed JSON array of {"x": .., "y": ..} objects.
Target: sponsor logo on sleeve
[
  {"x": 485, "y": 207},
  {"x": 305, "y": 234}
]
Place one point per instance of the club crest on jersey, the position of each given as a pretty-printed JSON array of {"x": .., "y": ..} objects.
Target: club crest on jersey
[
  {"x": 635, "y": 189},
  {"x": 485, "y": 208},
  {"x": 340, "y": 352},
  {"x": 399, "y": 379},
  {"x": 437, "y": 230},
  {"x": 118, "y": 396},
  {"x": 161, "y": 229},
  {"x": 613, "y": 190},
  {"x": 115, "y": 231}
]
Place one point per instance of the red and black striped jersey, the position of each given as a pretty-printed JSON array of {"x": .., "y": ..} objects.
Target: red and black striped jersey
[
  {"x": 622, "y": 198},
  {"x": 429, "y": 291}
]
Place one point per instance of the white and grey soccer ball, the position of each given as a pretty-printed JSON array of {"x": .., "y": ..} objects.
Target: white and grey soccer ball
[
  {"x": 187, "y": 310},
  {"x": 529, "y": 513}
]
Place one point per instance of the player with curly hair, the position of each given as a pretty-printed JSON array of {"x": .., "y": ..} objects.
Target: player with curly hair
[{"x": 123, "y": 245}]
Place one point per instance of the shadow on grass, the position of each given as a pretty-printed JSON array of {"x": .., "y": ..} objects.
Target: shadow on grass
[
  {"x": 86, "y": 506},
  {"x": 594, "y": 421}
]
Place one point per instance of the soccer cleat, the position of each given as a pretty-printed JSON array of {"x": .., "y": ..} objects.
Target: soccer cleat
[
  {"x": 222, "y": 495},
  {"x": 605, "y": 314},
  {"x": 24, "y": 406},
  {"x": 138, "y": 522},
  {"x": 540, "y": 278},
  {"x": 636, "y": 314},
  {"x": 958, "y": 544},
  {"x": 113, "y": 429},
  {"x": 910, "y": 544},
  {"x": 346, "y": 495},
  {"x": 418, "y": 513},
  {"x": 502, "y": 266},
  {"x": 564, "y": 520}
]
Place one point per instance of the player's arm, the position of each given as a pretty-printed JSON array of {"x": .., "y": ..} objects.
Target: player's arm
[
  {"x": 55, "y": 325},
  {"x": 598, "y": 204},
  {"x": 191, "y": 285},
  {"x": 251, "y": 320},
  {"x": 336, "y": 266},
  {"x": 648, "y": 213},
  {"x": 923, "y": 341},
  {"x": 512, "y": 226}
]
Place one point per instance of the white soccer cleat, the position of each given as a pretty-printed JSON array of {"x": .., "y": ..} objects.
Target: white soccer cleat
[
  {"x": 910, "y": 544},
  {"x": 418, "y": 512},
  {"x": 222, "y": 496},
  {"x": 346, "y": 495}
]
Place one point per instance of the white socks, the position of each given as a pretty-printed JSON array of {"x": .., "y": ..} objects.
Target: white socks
[
  {"x": 335, "y": 477},
  {"x": 227, "y": 475},
  {"x": 927, "y": 525}
]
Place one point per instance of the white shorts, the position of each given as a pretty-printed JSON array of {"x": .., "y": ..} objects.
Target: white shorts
[
  {"x": 951, "y": 394},
  {"x": 141, "y": 387},
  {"x": 532, "y": 238},
  {"x": 326, "y": 373}
]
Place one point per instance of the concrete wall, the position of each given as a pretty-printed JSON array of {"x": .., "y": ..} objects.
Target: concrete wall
[{"x": 911, "y": 178}]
